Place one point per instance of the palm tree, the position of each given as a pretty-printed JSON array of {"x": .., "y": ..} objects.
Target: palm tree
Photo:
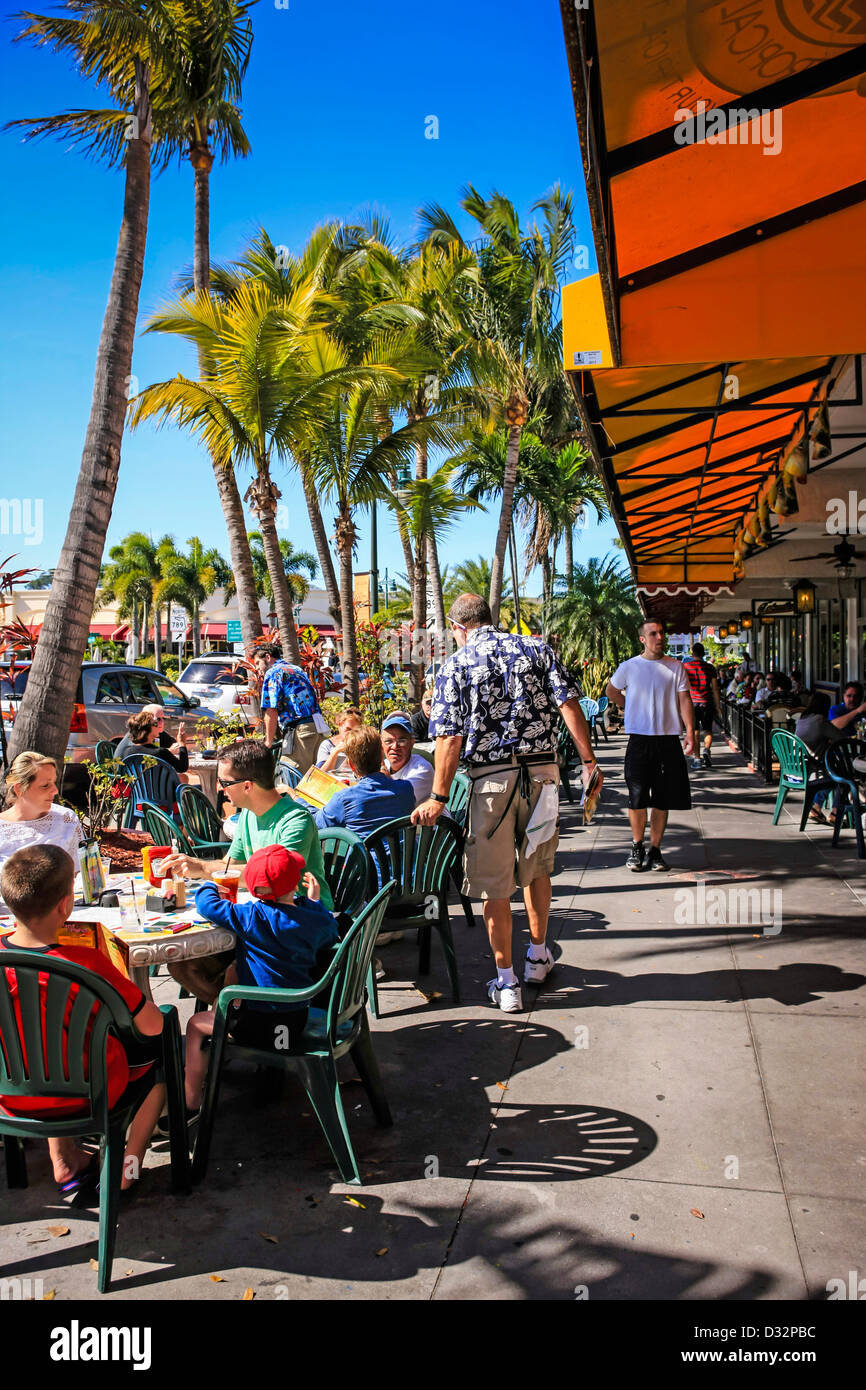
[
  {"x": 429, "y": 506},
  {"x": 123, "y": 45},
  {"x": 201, "y": 118},
  {"x": 295, "y": 562},
  {"x": 517, "y": 328},
  {"x": 554, "y": 495},
  {"x": 472, "y": 577},
  {"x": 352, "y": 463},
  {"x": 134, "y": 577},
  {"x": 189, "y": 579},
  {"x": 597, "y": 615}
]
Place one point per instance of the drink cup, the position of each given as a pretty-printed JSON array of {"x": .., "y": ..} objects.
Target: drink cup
[{"x": 228, "y": 886}]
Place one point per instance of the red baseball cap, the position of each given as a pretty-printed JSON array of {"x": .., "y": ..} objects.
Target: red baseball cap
[{"x": 273, "y": 872}]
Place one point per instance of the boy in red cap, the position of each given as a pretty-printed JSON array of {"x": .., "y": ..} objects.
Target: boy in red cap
[{"x": 278, "y": 939}]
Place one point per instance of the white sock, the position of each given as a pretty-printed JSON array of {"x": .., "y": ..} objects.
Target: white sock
[
  {"x": 537, "y": 950},
  {"x": 506, "y": 976}
]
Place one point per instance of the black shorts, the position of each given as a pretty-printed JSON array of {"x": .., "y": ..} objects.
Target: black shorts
[
  {"x": 704, "y": 717},
  {"x": 656, "y": 773},
  {"x": 258, "y": 1027}
]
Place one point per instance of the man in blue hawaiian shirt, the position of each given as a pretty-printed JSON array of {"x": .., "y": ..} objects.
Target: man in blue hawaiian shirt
[
  {"x": 289, "y": 705},
  {"x": 496, "y": 708}
]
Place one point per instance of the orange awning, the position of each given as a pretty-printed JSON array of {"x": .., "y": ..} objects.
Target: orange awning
[{"x": 722, "y": 150}]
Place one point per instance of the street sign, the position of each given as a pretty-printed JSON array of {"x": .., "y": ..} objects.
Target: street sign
[
  {"x": 233, "y": 632},
  {"x": 179, "y": 622}
]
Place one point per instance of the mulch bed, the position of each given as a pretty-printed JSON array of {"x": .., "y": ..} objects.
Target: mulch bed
[{"x": 123, "y": 848}]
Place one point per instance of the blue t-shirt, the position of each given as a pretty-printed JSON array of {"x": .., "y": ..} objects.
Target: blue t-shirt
[
  {"x": 836, "y": 710},
  {"x": 371, "y": 802},
  {"x": 277, "y": 943}
]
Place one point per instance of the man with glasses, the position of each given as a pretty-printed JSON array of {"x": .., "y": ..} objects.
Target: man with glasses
[
  {"x": 402, "y": 764},
  {"x": 245, "y": 772},
  {"x": 496, "y": 708}
]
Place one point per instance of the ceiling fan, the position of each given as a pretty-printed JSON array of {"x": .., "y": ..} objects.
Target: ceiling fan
[{"x": 843, "y": 555}]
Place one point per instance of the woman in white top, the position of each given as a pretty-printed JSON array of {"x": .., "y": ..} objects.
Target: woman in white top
[
  {"x": 30, "y": 817},
  {"x": 331, "y": 757}
]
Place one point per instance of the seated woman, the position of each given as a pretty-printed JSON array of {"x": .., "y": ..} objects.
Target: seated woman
[
  {"x": 375, "y": 798},
  {"x": 147, "y": 735},
  {"x": 817, "y": 732},
  {"x": 331, "y": 756},
  {"x": 30, "y": 817}
]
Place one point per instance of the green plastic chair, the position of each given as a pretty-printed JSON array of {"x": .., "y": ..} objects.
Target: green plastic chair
[
  {"x": 602, "y": 703},
  {"x": 104, "y": 752},
  {"x": 329, "y": 1035},
  {"x": 290, "y": 774},
  {"x": 346, "y": 872},
  {"x": 458, "y": 810},
  {"x": 201, "y": 823},
  {"x": 567, "y": 756},
  {"x": 419, "y": 859},
  {"x": 162, "y": 829},
  {"x": 157, "y": 784},
  {"x": 839, "y": 762},
  {"x": 795, "y": 764},
  {"x": 94, "y": 1007}
]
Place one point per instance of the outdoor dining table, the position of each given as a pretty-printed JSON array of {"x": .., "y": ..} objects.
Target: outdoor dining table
[{"x": 147, "y": 948}]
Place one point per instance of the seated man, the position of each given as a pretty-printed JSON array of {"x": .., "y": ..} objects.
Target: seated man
[
  {"x": 404, "y": 765},
  {"x": 375, "y": 798},
  {"x": 245, "y": 772}
]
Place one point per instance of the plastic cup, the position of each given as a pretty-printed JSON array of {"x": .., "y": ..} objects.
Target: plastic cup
[{"x": 228, "y": 885}]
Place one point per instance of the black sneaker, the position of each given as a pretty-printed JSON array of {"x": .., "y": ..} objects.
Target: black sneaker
[
  {"x": 654, "y": 860},
  {"x": 635, "y": 861},
  {"x": 706, "y": 760}
]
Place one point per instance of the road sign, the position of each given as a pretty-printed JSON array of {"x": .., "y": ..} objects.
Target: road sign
[
  {"x": 233, "y": 632},
  {"x": 179, "y": 622}
]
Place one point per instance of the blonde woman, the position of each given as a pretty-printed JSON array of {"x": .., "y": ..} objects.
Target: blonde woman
[
  {"x": 331, "y": 756},
  {"x": 30, "y": 816}
]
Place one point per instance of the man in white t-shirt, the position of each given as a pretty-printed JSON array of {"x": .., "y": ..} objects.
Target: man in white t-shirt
[
  {"x": 654, "y": 690},
  {"x": 398, "y": 740}
]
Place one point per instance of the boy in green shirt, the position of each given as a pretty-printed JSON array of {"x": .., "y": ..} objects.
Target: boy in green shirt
[{"x": 245, "y": 773}]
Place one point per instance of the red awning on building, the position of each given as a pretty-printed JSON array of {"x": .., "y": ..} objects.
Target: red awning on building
[
  {"x": 120, "y": 634},
  {"x": 213, "y": 629}
]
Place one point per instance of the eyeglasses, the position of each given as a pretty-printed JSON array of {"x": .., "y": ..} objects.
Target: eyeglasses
[
  {"x": 234, "y": 783},
  {"x": 461, "y": 626}
]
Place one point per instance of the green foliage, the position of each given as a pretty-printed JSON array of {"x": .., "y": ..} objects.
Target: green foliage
[
  {"x": 225, "y": 728},
  {"x": 107, "y": 795},
  {"x": 597, "y": 615},
  {"x": 594, "y": 678}
]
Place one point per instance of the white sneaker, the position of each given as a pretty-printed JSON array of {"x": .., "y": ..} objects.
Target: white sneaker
[
  {"x": 507, "y": 997},
  {"x": 535, "y": 972}
]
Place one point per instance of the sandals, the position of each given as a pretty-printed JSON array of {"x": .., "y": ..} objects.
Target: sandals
[{"x": 85, "y": 1184}]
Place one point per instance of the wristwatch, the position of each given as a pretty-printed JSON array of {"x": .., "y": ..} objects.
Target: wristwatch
[{"x": 436, "y": 796}]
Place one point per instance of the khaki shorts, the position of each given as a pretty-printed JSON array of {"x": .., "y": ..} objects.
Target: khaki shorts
[
  {"x": 489, "y": 864},
  {"x": 304, "y": 740}
]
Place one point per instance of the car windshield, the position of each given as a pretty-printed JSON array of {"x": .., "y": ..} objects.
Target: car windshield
[
  {"x": 13, "y": 685},
  {"x": 213, "y": 673}
]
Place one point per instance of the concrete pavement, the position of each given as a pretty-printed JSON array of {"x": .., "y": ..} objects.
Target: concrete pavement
[{"x": 677, "y": 1115}]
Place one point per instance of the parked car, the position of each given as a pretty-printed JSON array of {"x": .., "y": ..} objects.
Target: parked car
[
  {"x": 221, "y": 683},
  {"x": 106, "y": 697}
]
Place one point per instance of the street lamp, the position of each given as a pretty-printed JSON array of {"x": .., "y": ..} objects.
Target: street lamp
[
  {"x": 723, "y": 632},
  {"x": 732, "y": 628},
  {"x": 746, "y": 621}
]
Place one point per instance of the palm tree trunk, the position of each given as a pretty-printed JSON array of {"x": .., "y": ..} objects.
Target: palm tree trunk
[
  {"x": 345, "y": 546},
  {"x": 239, "y": 551},
  {"x": 266, "y": 496},
  {"x": 323, "y": 550},
  {"x": 227, "y": 488},
  {"x": 569, "y": 555},
  {"x": 157, "y": 637},
  {"x": 438, "y": 597},
  {"x": 546, "y": 584},
  {"x": 134, "y": 632},
  {"x": 196, "y": 630},
  {"x": 497, "y": 569},
  {"x": 42, "y": 724},
  {"x": 419, "y": 616}
]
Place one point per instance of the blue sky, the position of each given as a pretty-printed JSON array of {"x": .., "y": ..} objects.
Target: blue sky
[{"x": 335, "y": 104}]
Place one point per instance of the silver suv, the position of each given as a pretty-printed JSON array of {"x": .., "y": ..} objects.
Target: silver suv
[{"x": 106, "y": 697}]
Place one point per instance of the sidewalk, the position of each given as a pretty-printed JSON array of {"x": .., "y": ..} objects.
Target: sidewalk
[{"x": 678, "y": 1117}]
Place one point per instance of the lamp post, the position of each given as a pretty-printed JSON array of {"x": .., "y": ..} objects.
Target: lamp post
[{"x": 374, "y": 561}]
